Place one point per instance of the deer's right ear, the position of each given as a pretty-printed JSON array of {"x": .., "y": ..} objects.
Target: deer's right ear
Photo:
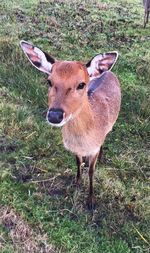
[{"x": 39, "y": 59}]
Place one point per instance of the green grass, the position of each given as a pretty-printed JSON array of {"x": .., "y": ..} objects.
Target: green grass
[{"x": 37, "y": 173}]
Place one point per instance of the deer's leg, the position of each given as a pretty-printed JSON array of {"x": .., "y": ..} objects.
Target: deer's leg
[
  {"x": 145, "y": 19},
  {"x": 91, "y": 197},
  {"x": 147, "y": 16},
  {"x": 79, "y": 161},
  {"x": 100, "y": 153}
]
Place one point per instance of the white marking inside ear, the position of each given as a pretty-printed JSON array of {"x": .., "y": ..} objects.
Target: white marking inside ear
[
  {"x": 114, "y": 52},
  {"x": 99, "y": 63},
  {"x": 94, "y": 65},
  {"x": 45, "y": 65}
]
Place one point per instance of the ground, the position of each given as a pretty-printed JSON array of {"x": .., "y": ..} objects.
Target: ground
[{"x": 41, "y": 210}]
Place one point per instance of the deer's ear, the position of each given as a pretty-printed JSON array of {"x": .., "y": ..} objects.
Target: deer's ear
[
  {"x": 101, "y": 63},
  {"x": 39, "y": 59}
]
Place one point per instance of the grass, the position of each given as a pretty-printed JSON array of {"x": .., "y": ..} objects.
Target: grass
[{"x": 41, "y": 211}]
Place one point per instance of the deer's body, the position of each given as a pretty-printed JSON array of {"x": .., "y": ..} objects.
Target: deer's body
[
  {"x": 86, "y": 132},
  {"x": 146, "y": 4},
  {"x": 84, "y": 99}
]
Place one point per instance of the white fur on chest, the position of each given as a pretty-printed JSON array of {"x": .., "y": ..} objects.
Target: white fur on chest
[{"x": 82, "y": 145}]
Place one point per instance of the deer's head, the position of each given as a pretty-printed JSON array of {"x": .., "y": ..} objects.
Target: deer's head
[{"x": 68, "y": 80}]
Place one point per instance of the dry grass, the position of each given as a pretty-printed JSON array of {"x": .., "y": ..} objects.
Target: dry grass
[{"x": 22, "y": 236}]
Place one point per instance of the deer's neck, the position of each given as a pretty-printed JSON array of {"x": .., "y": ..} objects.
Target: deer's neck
[
  {"x": 82, "y": 120},
  {"x": 80, "y": 133}
]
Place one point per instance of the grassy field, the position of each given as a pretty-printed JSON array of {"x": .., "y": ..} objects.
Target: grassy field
[{"x": 41, "y": 210}]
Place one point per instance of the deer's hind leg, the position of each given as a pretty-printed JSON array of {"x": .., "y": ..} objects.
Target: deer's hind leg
[
  {"x": 100, "y": 155},
  {"x": 79, "y": 162},
  {"x": 147, "y": 16},
  {"x": 91, "y": 197}
]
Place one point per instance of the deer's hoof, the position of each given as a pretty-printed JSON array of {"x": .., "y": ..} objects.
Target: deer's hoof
[
  {"x": 78, "y": 181},
  {"x": 91, "y": 203}
]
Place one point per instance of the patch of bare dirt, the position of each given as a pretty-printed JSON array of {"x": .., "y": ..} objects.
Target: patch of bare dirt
[
  {"x": 6, "y": 146},
  {"x": 20, "y": 16},
  {"x": 23, "y": 237}
]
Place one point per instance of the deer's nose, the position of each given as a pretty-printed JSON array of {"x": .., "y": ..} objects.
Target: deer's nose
[{"x": 55, "y": 115}]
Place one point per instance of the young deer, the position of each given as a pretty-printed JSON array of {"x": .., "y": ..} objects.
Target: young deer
[
  {"x": 82, "y": 98},
  {"x": 146, "y": 4}
]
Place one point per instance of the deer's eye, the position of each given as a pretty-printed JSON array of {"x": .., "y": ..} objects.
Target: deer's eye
[
  {"x": 81, "y": 86},
  {"x": 49, "y": 83}
]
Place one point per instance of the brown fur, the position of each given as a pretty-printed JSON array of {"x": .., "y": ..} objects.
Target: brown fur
[
  {"x": 88, "y": 110},
  {"x": 93, "y": 117},
  {"x": 65, "y": 78}
]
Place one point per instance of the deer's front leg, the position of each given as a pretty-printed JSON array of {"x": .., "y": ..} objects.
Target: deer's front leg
[
  {"x": 91, "y": 197},
  {"x": 79, "y": 161}
]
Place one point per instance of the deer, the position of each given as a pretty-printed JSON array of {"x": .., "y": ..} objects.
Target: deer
[
  {"x": 83, "y": 99},
  {"x": 146, "y": 4}
]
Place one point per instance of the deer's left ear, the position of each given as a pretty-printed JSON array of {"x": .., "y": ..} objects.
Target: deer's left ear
[
  {"x": 39, "y": 59},
  {"x": 101, "y": 63}
]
